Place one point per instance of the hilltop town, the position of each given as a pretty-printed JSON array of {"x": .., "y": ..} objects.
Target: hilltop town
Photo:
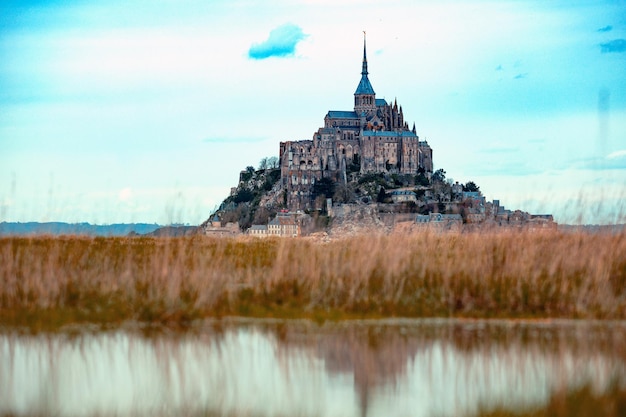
[{"x": 363, "y": 170}]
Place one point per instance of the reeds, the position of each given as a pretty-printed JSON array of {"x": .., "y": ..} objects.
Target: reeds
[
  {"x": 48, "y": 280},
  {"x": 581, "y": 402}
]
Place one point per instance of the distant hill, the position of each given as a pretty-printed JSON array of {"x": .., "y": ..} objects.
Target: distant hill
[
  {"x": 175, "y": 231},
  {"x": 81, "y": 229}
]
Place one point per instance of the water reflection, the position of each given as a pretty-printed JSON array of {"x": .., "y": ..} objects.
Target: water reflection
[{"x": 417, "y": 368}]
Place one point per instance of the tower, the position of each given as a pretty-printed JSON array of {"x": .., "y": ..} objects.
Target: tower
[{"x": 364, "y": 96}]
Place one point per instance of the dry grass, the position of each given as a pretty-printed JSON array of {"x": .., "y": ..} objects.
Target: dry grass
[
  {"x": 49, "y": 281},
  {"x": 582, "y": 402}
]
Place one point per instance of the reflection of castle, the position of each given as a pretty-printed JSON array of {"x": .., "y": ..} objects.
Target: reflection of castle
[{"x": 372, "y": 138}]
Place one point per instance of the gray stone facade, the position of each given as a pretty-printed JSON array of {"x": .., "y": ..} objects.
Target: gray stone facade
[{"x": 374, "y": 137}]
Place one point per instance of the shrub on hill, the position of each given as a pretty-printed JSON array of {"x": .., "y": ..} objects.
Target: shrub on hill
[{"x": 243, "y": 205}]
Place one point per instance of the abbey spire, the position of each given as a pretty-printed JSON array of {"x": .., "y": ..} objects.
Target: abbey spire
[{"x": 364, "y": 96}]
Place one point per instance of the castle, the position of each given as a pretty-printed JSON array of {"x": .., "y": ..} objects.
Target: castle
[{"x": 372, "y": 138}]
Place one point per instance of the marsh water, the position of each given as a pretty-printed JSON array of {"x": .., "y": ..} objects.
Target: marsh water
[{"x": 299, "y": 368}]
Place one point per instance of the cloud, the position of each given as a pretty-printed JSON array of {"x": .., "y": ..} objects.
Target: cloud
[
  {"x": 614, "y": 160},
  {"x": 506, "y": 167},
  {"x": 616, "y": 45},
  {"x": 232, "y": 139},
  {"x": 125, "y": 194},
  {"x": 281, "y": 42},
  {"x": 537, "y": 140},
  {"x": 607, "y": 28},
  {"x": 5, "y": 204},
  {"x": 500, "y": 147},
  {"x": 621, "y": 154}
]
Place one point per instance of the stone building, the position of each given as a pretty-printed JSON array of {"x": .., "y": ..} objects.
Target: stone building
[
  {"x": 374, "y": 137},
  {"x": 403, "y": 196},
  {"x": 283, "y": 225}
]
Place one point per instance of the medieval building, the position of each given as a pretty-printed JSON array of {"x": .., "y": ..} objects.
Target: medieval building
[{"x": 374, "y": 137}]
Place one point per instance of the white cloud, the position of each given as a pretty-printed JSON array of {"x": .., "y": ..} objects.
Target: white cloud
[
  {"x": 617, "y": 154},
  {"x": 125, "y": 194}
]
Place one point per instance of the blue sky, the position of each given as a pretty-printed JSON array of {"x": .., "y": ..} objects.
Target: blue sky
[{"x": 124, "y": 111}]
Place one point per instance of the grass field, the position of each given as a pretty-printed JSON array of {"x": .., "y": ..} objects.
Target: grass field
[
  {"x": 48, "y": 282},
  {"x": 582, "y": 402}
]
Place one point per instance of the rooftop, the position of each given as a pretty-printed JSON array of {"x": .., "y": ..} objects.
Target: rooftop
[
  {"x": 388, "y": 133},
  {"x": 364, "y": 87},
  {"x": 341, "y": 114}
]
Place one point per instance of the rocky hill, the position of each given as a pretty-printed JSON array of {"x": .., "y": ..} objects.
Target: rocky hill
[
  {"x": 373, "y": 197},
  {"x": 256, "y": 199}
]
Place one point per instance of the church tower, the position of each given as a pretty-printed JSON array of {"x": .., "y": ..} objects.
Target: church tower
[{"x": 364, "y": 96}]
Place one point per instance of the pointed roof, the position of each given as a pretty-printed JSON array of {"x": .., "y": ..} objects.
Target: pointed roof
[{"x": 364, "y": 87}]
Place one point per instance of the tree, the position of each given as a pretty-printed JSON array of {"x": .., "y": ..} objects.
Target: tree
[
  {"x": 324, "y": 187},
  {"x": 354, "y": 165},
  {"x": 420, "y": 179},
  {"x": 382, "y": 196},
  {"x": 439, "y": 175},
  {"x": 243, "y": 196},
  {"x": 274, "y": 176},
  {"x": 342, "y": 194},
  {"x": 262, "y": 215},
  {"x": 471, "y": 187},
  {"x": 246, "y": 175},
  {"x": 263, "y": 164},
  {"x": 272, "y": 162}
]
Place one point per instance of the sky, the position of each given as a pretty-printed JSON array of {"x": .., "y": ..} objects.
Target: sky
[{"x": 147, "y": 110}]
